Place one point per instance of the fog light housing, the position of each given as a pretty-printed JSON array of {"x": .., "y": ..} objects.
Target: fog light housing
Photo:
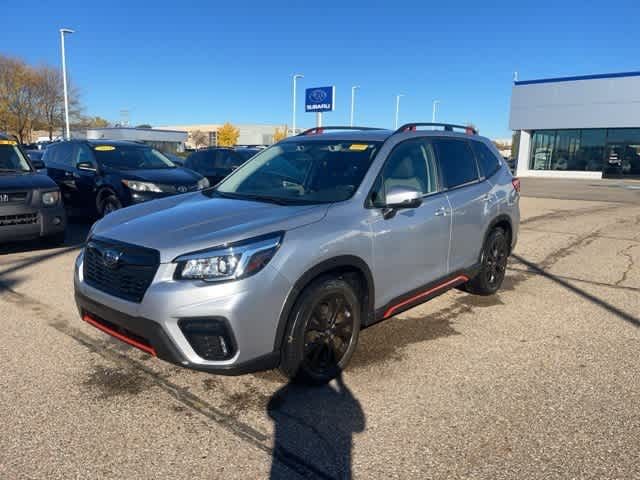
[{"x": 210, "y": 338}]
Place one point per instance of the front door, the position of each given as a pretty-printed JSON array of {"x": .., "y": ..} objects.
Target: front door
[{"x": 410, "y": 248}]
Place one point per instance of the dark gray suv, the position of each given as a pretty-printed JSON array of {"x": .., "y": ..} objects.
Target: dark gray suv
[{"x": 284, "y": 261}]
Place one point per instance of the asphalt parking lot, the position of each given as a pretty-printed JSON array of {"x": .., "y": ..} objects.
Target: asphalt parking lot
[{"x": 539, "y": 381}]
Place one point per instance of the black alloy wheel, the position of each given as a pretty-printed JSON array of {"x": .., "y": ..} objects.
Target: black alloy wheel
[
  {"x": 328, "y": 334},
  {"x": 496, "y": 260},
  {"x": 322, "y": 331}
]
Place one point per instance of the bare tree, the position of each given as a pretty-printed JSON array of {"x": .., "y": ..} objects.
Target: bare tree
[
  {"x": 199, "y": 139},
  {"x": 51, "y": 99}
]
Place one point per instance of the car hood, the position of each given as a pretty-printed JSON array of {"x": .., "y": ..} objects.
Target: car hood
[
  {"x": 25, "y": 181},
  {"x": 186, "y": 223},
  {"x": 166, "y": 176}
]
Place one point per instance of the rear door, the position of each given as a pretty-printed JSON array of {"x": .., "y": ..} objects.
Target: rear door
[
  {"x": 471, "y": 200},
  {"x": 410, "y": 248}
]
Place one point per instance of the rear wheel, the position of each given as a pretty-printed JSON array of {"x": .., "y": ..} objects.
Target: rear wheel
[
  {"x": 322, "y": 332},
  {"x": 493, "y": 265}
]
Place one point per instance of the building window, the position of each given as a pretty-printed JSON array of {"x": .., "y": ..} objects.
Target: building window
[
  {"x": 572, "y": 150},
  {"x": 542, "y": 149}
]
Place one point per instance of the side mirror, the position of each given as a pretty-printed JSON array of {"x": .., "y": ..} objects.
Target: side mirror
[
  {"x": 403, "y": 197},
  {"x": 38, "y": 164},
  {"x": 86, "y": 166}
]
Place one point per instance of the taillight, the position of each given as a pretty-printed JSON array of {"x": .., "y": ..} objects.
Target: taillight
[{"x": 516, "y": 184}]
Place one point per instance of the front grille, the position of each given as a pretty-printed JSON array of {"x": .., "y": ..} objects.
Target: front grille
[
  {"x": 21, "y": 219},
  {"x": 176, "y": 188},
  {"x": 120, "y": 269},
  {"x": 13, "y": 197}
]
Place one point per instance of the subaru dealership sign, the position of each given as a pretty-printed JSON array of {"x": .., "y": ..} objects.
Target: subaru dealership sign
[{"x": 320, "y": 99}]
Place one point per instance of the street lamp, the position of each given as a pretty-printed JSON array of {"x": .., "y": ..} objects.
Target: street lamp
[
  {"x": 398, "y": 107},
  {"x": 353, "y": 103},
  {"x": 64, "y": 83},
  {"x": 296, "y": 76},
  {"x": 434, "y": 110}
]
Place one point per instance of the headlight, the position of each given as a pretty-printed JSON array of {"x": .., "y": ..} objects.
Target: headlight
[
  {"x": 203, "y": 183},
  {"x": 141, "y": 186},
  {"x": 229, "y": 262},
  {"x": 50, "y": 198}
]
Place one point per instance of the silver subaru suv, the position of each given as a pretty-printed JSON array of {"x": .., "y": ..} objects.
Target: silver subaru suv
[{"x": 311, "y": 240}]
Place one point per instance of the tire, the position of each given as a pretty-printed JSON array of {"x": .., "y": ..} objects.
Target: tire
[
  {"x": 109, "y": 204},
  {"x": 322, "y": 332},
  {"x": 493, "y": 265}
]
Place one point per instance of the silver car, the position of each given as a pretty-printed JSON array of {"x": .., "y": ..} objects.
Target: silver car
[{"x": 287, "y": 259}]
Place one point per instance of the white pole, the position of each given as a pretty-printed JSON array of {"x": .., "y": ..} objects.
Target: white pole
[
  {"x": 353, "y": 103},
  {"x": 398, "y": 108},
  {"x": 436, "y": 103},
  {"x": 296, "y": 76},
  {"x": 318, "y": 119},
  {"x": 64, "y": 83}
]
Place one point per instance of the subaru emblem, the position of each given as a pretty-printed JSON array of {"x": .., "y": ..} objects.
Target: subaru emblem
[{"x": 110, "y": 258}]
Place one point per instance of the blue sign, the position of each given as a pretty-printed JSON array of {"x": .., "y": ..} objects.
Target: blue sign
[{"x": 319, "y": 99}]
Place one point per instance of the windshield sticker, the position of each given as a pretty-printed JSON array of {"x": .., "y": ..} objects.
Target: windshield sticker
[
  {"x": 8, "y": 142},
  {"x": 358, "y": 147},
  {"x": 104, "y": 148}
]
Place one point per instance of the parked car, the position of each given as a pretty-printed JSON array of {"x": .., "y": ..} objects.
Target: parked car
[
  {"x": 30, "y": 204},
  {"x": 284, "y": 261},
  {"x": 217, "y": 162},
  {"x": 178, "y": 161},
  {"x": 99, "y": 177}
]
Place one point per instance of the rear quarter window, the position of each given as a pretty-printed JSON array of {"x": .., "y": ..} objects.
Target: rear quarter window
[
  {"x": 487, "y": 161},
  {"x": 457, "y": 162}
]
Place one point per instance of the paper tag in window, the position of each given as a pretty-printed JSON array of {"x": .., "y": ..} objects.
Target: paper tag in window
[
  {"x": 358, "y": 147},
  {"x": 104, "y": 148},
  {"x": 8, "y": 142}
]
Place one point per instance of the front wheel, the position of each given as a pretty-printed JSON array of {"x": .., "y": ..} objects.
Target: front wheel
[
  {"x": 493, "y": 265},
  {"x": 109, "y": 204},
  {"x": 322, "y": 332}
]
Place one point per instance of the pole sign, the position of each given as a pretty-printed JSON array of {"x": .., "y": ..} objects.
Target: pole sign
[{"x": 320, "y": 99}]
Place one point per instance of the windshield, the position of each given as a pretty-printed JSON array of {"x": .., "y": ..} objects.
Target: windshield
[
  {"x": 11, "y": 158},
  {"x": 131, "y": 157},
  {"x": 303, "y": 172}
]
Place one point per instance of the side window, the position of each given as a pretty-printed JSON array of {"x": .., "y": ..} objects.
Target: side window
[
  {"x": 411, "y": 164},
  {"x": 51, "y": 154},
  {"x": 224, "y": 159},
  {"x": 486, "y": 159},
  {"x": 457, "y": 162},
  {"x": 235, "y": 160},
  {"x": 83, "y": 155},
  {"x": 65, "y": 154}
]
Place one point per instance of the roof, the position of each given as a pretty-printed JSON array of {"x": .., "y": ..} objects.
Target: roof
[
  {"x": 578, "y": 77},
  {"x": 115, "y": 143},
  {"x": 356, "y": 135}
]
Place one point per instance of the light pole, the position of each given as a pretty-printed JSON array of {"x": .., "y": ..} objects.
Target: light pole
[
  {"x": 353, "y": 103},
  {"x": 296, "y": 76},
  {"x": 398, "y": 107},
  {"x": 64, "y": 83},
  {"x": 434, "y": 110}
]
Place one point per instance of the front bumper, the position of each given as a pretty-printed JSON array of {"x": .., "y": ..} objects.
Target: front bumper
[
  {"x": 250, "y": 311},
  {"x": 48, "y": 221}
]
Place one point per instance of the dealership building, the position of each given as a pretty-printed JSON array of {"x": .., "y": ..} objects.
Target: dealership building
[{"x": 578, "y": 127}]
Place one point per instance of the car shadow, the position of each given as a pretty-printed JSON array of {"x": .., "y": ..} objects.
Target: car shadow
[
  {"x": 75, "y": 236},
  {"x": 314, "y": 429}
]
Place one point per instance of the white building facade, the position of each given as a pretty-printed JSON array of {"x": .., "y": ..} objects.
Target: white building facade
[{"x": 578, "y": 127}]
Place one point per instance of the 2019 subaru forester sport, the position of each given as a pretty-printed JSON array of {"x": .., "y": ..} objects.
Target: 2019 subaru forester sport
[{"x": 284, "y": 261}]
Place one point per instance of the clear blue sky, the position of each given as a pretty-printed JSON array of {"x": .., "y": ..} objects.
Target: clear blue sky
[{"x": 172, "y": 62}]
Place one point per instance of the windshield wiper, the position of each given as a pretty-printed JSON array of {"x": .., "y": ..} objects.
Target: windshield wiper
[{"x": 259, "y": 198}]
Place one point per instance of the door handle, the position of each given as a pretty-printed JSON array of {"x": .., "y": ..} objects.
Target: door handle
[{"x": 441, "y": 212}]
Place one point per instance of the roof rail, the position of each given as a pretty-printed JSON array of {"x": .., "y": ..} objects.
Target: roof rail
[
  {"x": 320, "y": 130},
  {"x": 447, "y": 127}
]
